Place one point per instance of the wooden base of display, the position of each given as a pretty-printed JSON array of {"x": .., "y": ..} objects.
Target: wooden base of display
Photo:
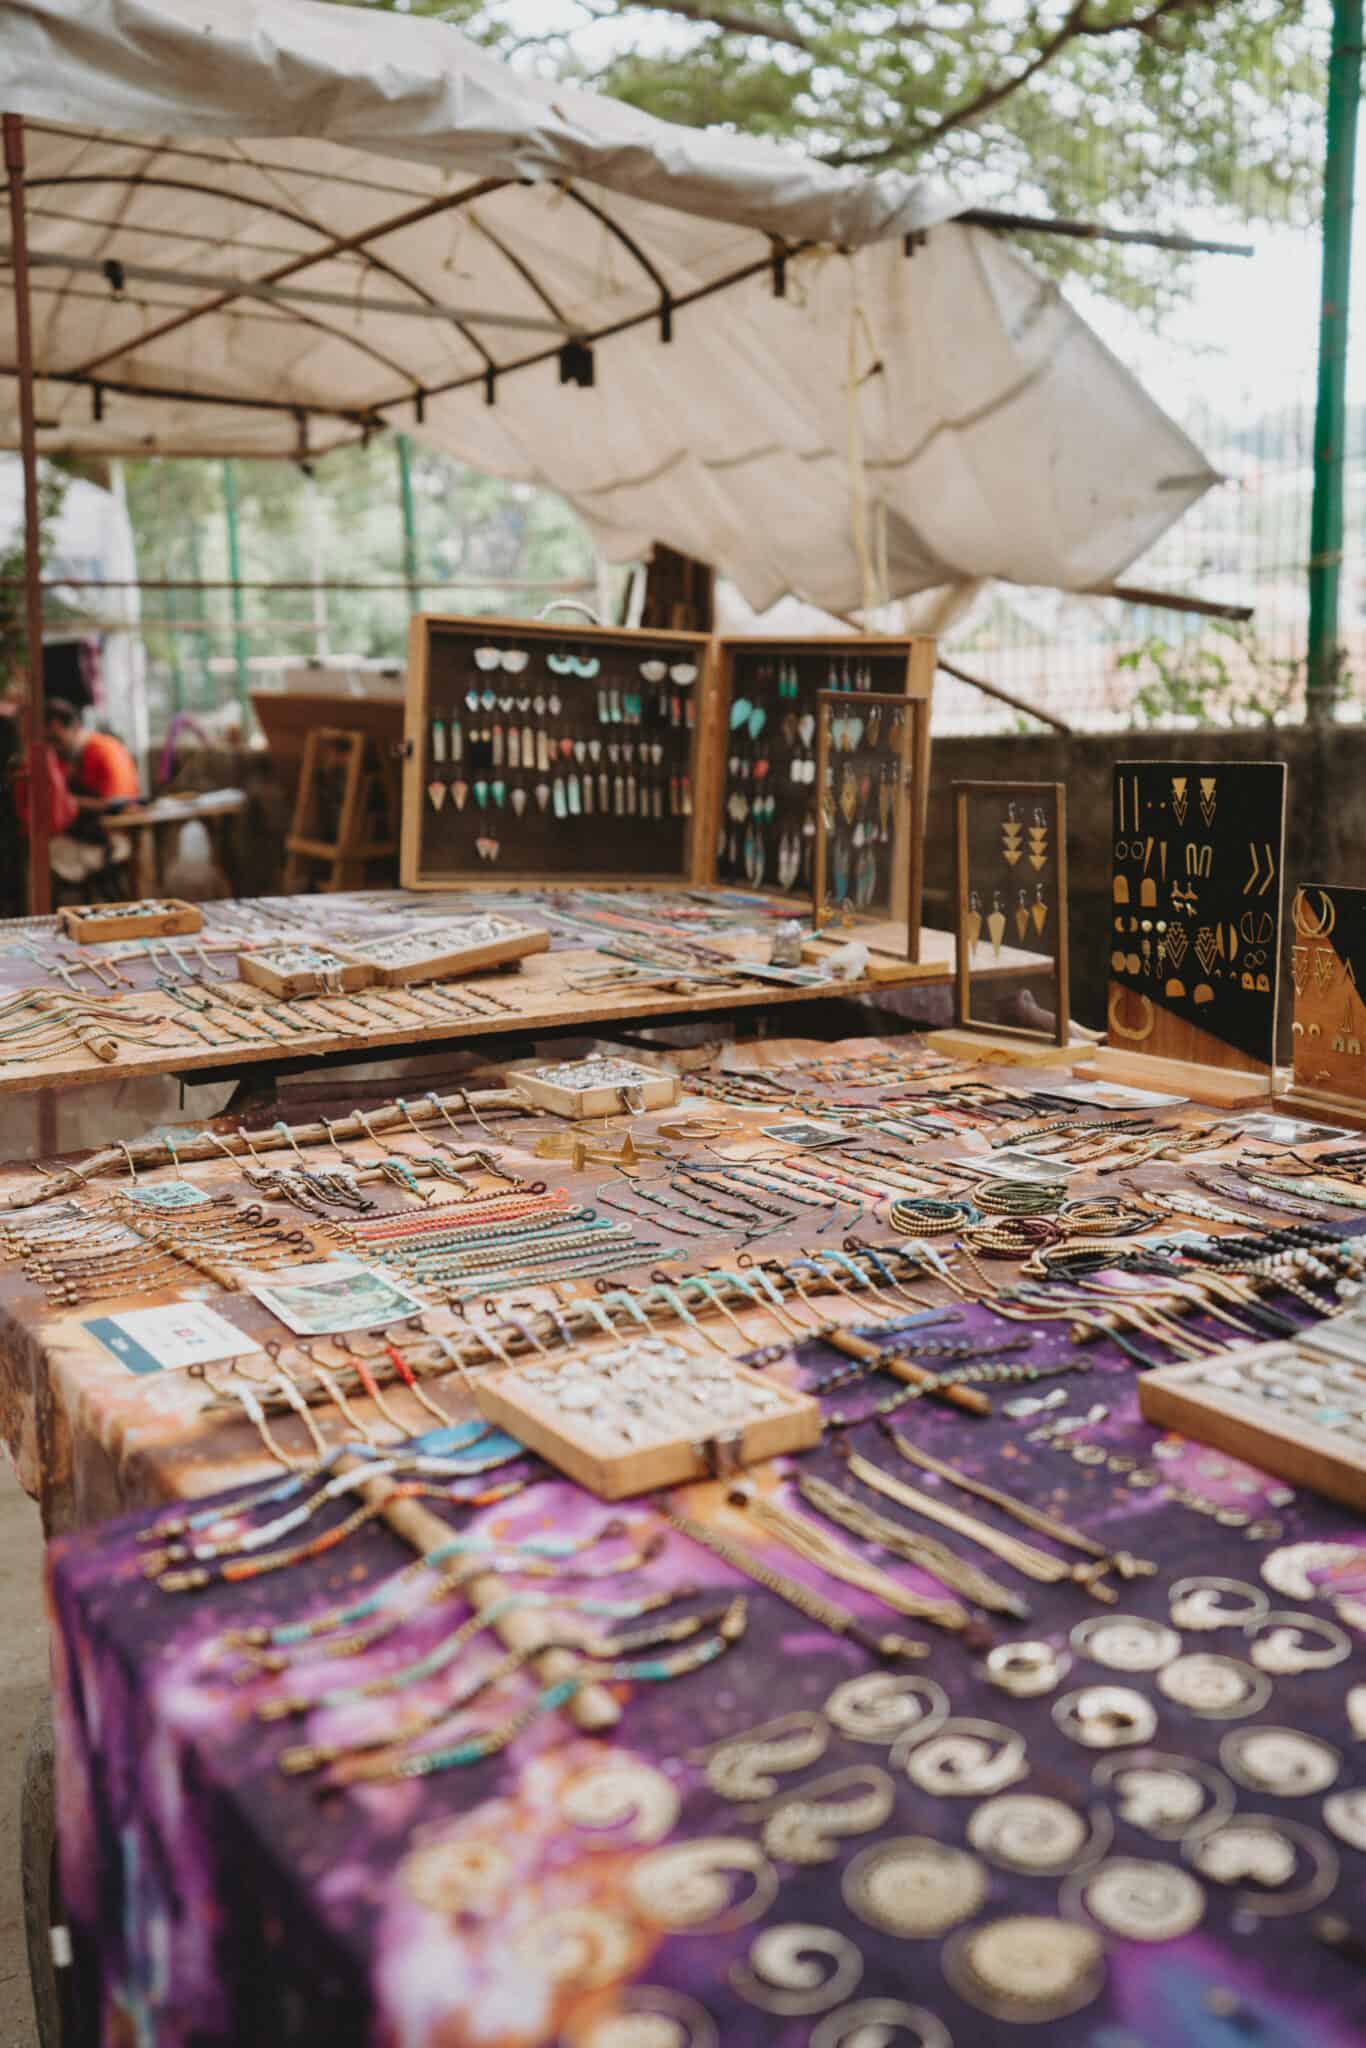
[
  {"x": 1221, "y": 1087},
  {"x": 1003, "y": 1049},
  {"x": 1293, "y": 1096}
]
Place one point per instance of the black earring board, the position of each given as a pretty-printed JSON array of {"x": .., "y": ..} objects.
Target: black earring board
[{"x": 1195, "y": 910}]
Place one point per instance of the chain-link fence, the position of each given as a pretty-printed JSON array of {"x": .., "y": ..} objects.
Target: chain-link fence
[{"x": 1228, "y": 346}]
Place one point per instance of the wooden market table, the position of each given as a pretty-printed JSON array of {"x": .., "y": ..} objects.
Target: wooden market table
[
  {"x": 152, "y": 825},
  {"x": 567, "y": 989},
  {"x": 137, "y": 1677}
]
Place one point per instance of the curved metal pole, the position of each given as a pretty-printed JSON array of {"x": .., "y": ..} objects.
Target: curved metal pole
[{"x": 39, "y": 809}]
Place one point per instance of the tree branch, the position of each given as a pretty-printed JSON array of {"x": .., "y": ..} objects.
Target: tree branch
[
  {"x": 1074, "y": 25},
  {"x": 763, "y": 27}
]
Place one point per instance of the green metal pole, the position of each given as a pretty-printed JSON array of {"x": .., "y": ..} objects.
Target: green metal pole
[
  {"x": 239, "y": 638},
  {"x": 177, "y": 676},
  {"x": 405, "y": 491},
  {"x": 199, "y": 605},
  {"x": 1330, "y": 415}
]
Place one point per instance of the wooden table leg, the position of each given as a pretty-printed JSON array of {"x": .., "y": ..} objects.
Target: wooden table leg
[{"x": 144, "y": 860}]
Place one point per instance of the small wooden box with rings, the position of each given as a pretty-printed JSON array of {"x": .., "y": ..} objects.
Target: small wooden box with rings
[
  {"x": 582, "y": 1089},
  {"x": 1295, "y": 1408},
  {"x": 288, "y": 971},
  {"x": 448, "y": 949},
  {"x": 630, "y": 1418},
  {"x": 160, "y": 918}
]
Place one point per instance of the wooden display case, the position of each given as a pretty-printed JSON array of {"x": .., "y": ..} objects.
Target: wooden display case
[
  {"x": 615, "y": 724},
  {"x": 777, "y": 763}
]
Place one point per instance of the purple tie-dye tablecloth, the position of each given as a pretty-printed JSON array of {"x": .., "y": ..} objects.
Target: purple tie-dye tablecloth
[{"x": 601, "y": 1893}]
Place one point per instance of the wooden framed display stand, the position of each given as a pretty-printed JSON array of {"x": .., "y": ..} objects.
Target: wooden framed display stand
[
  {"x": 1196, "y": 925},
  {"x": 872, "y": 780},
  {"x": 1010, "y": 878},
  {"x": 538, "y": 751},
  {"x": 762, "y": 825},
  {"x": 1327, "y": 962},
  {"x": 346, "y": 789}
]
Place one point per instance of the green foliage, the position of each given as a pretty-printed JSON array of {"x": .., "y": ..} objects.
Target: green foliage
[
  {"x": 1224, "y": 679},
  {"x": 52, "y": 483},
  {"x": 348, "y": 522},
  {"x": 1142, "y": 112}
]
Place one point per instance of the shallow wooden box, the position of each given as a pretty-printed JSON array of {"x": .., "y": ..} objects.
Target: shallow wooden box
[
  {"x": 1304, "y": 1452},
  {"x": 169, "y": 918},
  {"x": 657, "y": 1090},
  {"x": 445, "y": 959},
  {"x": 260, "y": 969},
  {"x": 504, "y": 1398}
]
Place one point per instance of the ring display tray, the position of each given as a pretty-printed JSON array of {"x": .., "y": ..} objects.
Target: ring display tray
[
  {"x": 1289, "y": 1408},
  {"x": 581, "y": 1089},
  {"x": 163, "y": 918},
  {"x": 438, "y": 952},
  {"x": 289, "y": 971},
  {"x": 647, "y": 1415}
]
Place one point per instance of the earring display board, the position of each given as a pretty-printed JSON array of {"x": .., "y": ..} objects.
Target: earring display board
[
  {"x": 535, "y": 750},
  {"x": 764, "y": 830},
  {"x": 1196, "y": 913},
  {"x": 872, "y": 768},
  {"x": 1010, "y": 887},
  {"x": 1327, "y": 965}
]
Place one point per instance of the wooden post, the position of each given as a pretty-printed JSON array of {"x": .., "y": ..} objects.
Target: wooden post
[{"x": 39, "y": 808}]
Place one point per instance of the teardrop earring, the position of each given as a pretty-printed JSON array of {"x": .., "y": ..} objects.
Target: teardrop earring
[
  {"x": 973, "y": 922},
  {"x": 1022, "y": 916},
  {"x": 1039, "y": 909},
  {"x": 996, "y": 923}
]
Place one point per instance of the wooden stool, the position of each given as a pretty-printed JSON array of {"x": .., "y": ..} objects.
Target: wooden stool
[{"x": 344, "y": 813}]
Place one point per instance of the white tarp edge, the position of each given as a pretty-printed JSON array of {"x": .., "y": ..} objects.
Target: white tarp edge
[{"x": 904, "y": 423}]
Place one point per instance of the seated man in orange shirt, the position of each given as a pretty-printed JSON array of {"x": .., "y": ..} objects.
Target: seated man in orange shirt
[{"x": 100, "y": 774}]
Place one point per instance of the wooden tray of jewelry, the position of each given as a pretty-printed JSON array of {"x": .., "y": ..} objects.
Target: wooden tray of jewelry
[
  {"x": 1289, "y": 1408},
  {"x": 554, "y": 749},
  {"x": 164, "y": 917},
  {"x": 645, "y": 1415},
  {"x": 302, "y": 970},
  {"x": 598, "y": 1087},
  {"x": 455, "y": 946}
]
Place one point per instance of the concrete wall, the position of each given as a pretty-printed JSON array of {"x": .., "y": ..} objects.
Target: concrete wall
[{"x": 1325, "y": 823}]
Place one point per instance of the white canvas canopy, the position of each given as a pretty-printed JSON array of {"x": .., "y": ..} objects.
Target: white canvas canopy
[{"x": 889, "y": 423}]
